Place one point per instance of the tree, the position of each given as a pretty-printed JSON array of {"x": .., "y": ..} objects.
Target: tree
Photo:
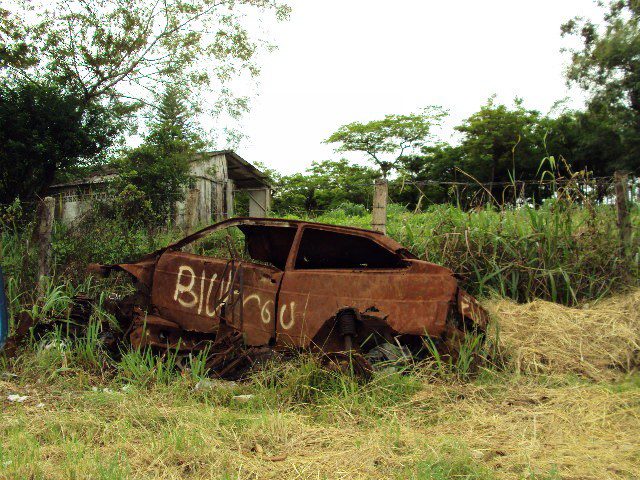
[
  {"x": 118, "y": 51},
  {"x": 436, "y": 163},
  {"x": 13, "y": 48},
  {"x": 111, "y": 56},
  {"x": 43, "y": 131},
  {"x": 590, "y": 140},
  {"x": 325, "y": 185},
  {"x": 391, "y": 137},
  {"x": 174, "y": 117},
  {"x": 502, "y": 145},
  {"x": 608, "y": 67},
  {"x": 173, "y": 111},
  {"x": 158, "y": 170}
]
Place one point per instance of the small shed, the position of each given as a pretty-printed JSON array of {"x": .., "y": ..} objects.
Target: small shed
[{"x": 216, "y": 178}]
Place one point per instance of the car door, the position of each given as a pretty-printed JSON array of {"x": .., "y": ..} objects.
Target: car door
[
  {"x": 193, "y": 290},
  {"x": 199, "y": 291},
  {"x": 254, "y": 312},
  {"x": 333, "y": 270}
]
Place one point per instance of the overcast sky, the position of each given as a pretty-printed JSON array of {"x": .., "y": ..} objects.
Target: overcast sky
[{"x": 344, "y": 60}]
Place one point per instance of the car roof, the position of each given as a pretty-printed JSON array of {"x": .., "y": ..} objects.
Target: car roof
[{"x": 286, "y": 222}]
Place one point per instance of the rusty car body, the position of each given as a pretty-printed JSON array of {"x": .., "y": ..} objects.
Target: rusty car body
[{"x": 298, "y": 285}]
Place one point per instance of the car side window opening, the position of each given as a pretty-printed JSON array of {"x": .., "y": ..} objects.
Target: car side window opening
[
  {"x": 268, "y": 244},
  {"x": 332, "y": 250}
]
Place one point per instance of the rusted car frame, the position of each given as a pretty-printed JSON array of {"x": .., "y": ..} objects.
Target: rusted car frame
[{"x": 306, "y": 285}]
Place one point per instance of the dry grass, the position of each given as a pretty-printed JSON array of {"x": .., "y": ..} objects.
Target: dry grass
[
  {"x": 514, "y": 430},
  {"x": 538, "y": 421},
  {"x": 599, "y": 341},
  {"x": 580, "y": 431}
]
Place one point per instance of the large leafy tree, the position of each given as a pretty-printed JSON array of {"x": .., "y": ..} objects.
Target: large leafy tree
[
  {"x": 424, "y": 176},
  {"x": 589, "y": 140},
  {"x": 122, "y": 49},
  {"x": 501, "y": 145},
  {"x": 45, "y": 130},
  {"x": 387, "y": 140},
  {"x": 324, "y": 186},
  {"x": 110, "y": 58},
  {"x": 608, "y": 67},
  {"x": 14, "y": 49}
]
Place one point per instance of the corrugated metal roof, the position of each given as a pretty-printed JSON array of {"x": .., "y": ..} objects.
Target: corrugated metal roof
[{"x": 244, "y": 174}]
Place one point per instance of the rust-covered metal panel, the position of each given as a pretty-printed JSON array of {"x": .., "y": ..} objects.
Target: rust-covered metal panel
[
  {"x": 469, "y": 308},
  {"x": 191, "y": 290},
  {"x": 311, "y": 285},
  {"x": 412, "y": 301},
  {"x": 141, "y": 270},
  {"x": 198, "y": 292}
]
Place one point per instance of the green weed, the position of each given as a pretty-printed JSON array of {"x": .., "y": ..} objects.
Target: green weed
[{"x": 145, "y": 367}]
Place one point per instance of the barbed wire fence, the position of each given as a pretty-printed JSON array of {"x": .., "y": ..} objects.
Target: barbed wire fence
[
  {"x": 414, "y": 193},
  {"x": 417, "y": 195},
  {"x": 619, "y": 191}
]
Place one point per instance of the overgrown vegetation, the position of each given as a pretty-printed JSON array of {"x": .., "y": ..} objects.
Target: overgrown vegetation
[
  {"x": 439, "y": 419},
  {"x": 144, "y": 419},
  {"x": 552, "y": 390},
  {"x": 559, "y": 252},
  {"x": 77, "y": 77},
  {"x": 154, "y": 176},
  {"x": 44, "y": 130}
]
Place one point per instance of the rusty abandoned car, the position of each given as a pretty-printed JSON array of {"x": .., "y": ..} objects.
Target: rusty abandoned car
[{"x": 290, "y": 285}]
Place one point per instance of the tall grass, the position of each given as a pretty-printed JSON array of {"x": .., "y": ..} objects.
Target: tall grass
[
  {"x": 563, "y": 253},
  {"x": 460, "y": 365},
  {"x": 559, "y": 251},
  {"x": 395, "y": 426},
  {"x": 305, "y": 380},
  {"x": 145, "y": 367}
]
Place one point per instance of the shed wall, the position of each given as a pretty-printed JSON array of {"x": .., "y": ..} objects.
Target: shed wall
[{"x": 209, "y": 197}]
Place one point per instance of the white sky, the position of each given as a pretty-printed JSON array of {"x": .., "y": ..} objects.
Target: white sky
[{"x": 344, "y": 60}]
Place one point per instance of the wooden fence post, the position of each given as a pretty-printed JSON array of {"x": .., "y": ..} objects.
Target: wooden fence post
[
  {"x": 228, "y": 193},
  {"x": 191, "y": 214},
  {"x": 622, "y": 208},
  {"x": 46, "y": 209},
  {"x": 379, "y": 214}
]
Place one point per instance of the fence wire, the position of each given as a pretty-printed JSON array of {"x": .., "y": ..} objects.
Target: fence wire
[{"x": 414, "y": 195}]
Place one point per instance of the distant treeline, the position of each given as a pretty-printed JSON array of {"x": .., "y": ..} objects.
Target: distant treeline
[
  {"x": 505, "y": 154},
  {"x": 499, "y": 145}
]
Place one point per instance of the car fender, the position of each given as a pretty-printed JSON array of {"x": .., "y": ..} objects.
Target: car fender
[{"x": 471, "y": 309}]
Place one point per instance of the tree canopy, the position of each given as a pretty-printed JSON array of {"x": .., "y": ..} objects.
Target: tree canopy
[
  {"x": 501, "y": 144},
  {"x": 387, "y": 140},
  {"x": 324, "y": 186},
  {"x": 120, "y": 50},
  {"x": 608, "y": 67},
  {"x": 45, "y": 130},
  {"x": 74, "y": 73}
]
